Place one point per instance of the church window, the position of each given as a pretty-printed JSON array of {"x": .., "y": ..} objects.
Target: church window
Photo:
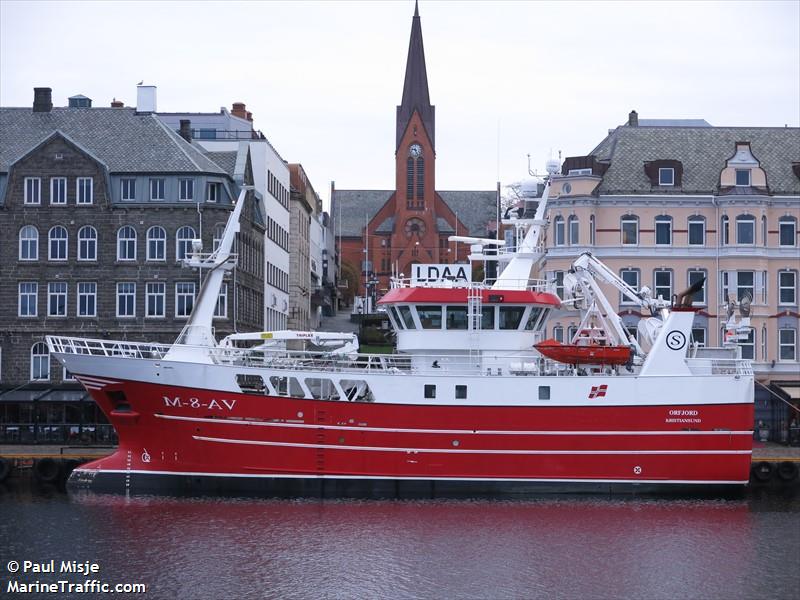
[
  {"x": 420, "y": 178},
  {"x": 409, "y": 179}
]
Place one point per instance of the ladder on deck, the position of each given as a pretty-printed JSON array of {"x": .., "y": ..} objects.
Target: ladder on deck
[{"x": 475, "y": 323}]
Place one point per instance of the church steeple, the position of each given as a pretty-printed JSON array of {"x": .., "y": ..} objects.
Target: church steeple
[{"x": 415, "y": 87}]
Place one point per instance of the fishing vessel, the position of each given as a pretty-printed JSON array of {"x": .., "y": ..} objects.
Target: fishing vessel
[{"x": 472, "y": 402}]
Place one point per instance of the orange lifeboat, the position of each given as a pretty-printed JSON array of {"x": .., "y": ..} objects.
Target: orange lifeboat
[{"x": 591, "y": 354}]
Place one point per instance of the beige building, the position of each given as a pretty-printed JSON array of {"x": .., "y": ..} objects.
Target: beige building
[
  {"x": 304, "y": 203},
  {"x": 666, "y": 202}
]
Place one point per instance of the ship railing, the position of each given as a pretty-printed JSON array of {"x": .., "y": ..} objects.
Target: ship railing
[
  {"x": 95, "y": 347},
  {"x": 719, "y": 366},
  {"x": 531, "y": 285}
]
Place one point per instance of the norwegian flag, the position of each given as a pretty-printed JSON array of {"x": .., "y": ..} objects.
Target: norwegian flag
[{"x": 598, "y": 391}]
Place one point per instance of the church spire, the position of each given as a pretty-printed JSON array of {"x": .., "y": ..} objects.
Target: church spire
[{"x": 415, "y": 87}]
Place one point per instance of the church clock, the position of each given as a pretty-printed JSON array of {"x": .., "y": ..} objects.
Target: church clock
[{"x": 415, "y": 151}]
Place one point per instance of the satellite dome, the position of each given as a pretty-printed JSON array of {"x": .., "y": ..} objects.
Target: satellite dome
[{"x": 553, "y": 166}]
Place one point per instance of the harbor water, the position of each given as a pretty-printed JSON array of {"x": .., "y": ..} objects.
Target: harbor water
[{"x": 547, "y": 547}]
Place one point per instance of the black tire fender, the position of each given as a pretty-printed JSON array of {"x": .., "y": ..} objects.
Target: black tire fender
[
  {"x": 787, "y": 470},
  {"x": 762, "y": 471},
  {"x": 6, "y": 466},
  {"x": 47, "y": 470}
]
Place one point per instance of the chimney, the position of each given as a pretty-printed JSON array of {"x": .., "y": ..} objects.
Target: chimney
[
  {"x": 633, "y": 119},
  {"x": 145, "y": 98},
  {"x": 249, "y": 116},
  {"x": 238, "y": 110},
  {"x": 42, "y": 99},
  {"x": 117, "y": 103},
  {"x": 186, "y": 130}
]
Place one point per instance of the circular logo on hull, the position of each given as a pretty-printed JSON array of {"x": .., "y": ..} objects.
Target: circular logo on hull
[{"x": 676, "y": 340}]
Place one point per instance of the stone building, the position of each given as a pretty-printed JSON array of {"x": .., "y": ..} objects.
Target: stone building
[
  {"x": 385, "y": 231},
  {"x": 97, "y": 208},
  {"x": 305, "y": 205},
  {"x": 667, "y": 202}
]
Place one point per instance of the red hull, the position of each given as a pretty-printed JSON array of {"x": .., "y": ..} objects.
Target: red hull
[
  {"x": 584, "y": 355},
  {"x": 184, "y": 431}
]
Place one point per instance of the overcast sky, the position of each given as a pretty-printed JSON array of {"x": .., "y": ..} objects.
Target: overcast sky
[{"x": 507, "y": 78}]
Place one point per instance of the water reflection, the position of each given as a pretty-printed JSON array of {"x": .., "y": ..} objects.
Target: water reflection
[{"x": 576, "y": 547}]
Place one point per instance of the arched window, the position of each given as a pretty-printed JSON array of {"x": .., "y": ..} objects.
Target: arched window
[
  {"x": 29, "y": 243},
  {"x": 219, "y": 231},
  {"x": 156, "y": 243},
  {"x": 58, "y": 243},
  {"x": 746, "y": 230},
  {"x": 40, "y": 362},
  {"x": 764, "y": 230},
  {"x": 420, "y": 178},
  {"x": 787, "y": 236},
  {"x": 591, "y": 231},
  {"x": 126, "y": 243},
  {"x": 87, "y": 243},
  {"x": 409, "y": 178},
  {"x": 574, "y": 230},
  {"x": 724, "y": 229},
  {"x": 560, "y": 234},
  {"x": 629, "y": 225},
  {"x": 183, "y": 242}
]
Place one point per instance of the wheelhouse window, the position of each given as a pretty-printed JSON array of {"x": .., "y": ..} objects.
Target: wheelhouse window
[
  {"x": 184, "y": 298},
  {"x": 430, "y": 317},
  {"x": 183, "y": 242},
  {"x": 630, "y": 230},
  {"x": 126, "y": 299},
  {"x": 787, "y": 236},
  {"x": 33, "y": 190},
  {"x": 87, "y": 243},
  {"x": 57, "y": 299},
  {"x": 156, "y": 243},
  {"x": 157, "y": 189},
  {"x": 558, "y": 225},
  {"x": 155, "y": 299},
  {"x": 28, "y": 299},
  {"x": 87, "y": 299},
  {"x": 511, "y": 317},
  {"x": 457, "y": 317},
  {"x": 58, "y": 190},
  {"x": 29, "y": 243},
  {"x": 662, "y": 284},
  {"x": 127, "y": 189},
  {"x": 487, "y": 317},
  {"x": 697, "y": 231},
  {"x": 746, "y": 230},
  {"x": 699, "y": 336},
  {"x": 787, "y": 287},
  {"x": 407, "y": 317},
  {"x": 666, "y": 176},
  {"x": 574, "y": 230},
  {"x": 631, "y": 277},
  {"x": 40, "y": 362},
  {"x": 126, "y": 243},
  {"x": 694, "y": 276},
  {"x": 84, "y": 190},
  {"x": 787, "y": 344},
  {"x": 533, "y": 318},
  {"x": 58, "y": 243},
  {"x": 742, "y": 177},
  {"x": 663, "y": 231},
  {"x": 186, "y": 189}
]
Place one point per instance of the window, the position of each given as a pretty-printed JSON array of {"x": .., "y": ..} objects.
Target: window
[
  {"x": 408, "y": 320},
  {"x": 409, "y": 178},
  {"x": 127, "y": 189},
  {"x": 126, "y": 243},
  {"x": 58, "y": 243},
  {"x": 533, "y": 318},
  {"x": 40, "y": 362},
  {"x": 742, "y": 177},
  {"x": 559, "y": 284},
  {"x": 574, "y": 231},
  {"x": 184, "y": 298},
  {"x": 87, "y": 243},
  {"x": 544, "y": 392},
  {"x": 58, "y": 190},
  {"x": 420, "y": 178},
  {"x": 662, "y": 284},
  {"x": 663, "y": 231},
  {"x": 126, "y": 299},
  {"x": 156, "y": 243},
  {"x": 558, "y": 226},
  {"x": 666, "y": 176},
  {"x": 764, "y": 230},
  {"x": 461, "y": 392},
  {"x": 487, "y": 317},
  {"x": 57, "y": 299},
  {"x": 219, "y": 231},
  {"x": 748, "y": 345},
  {"x": 631, "y": 277},
  {"x": 580, "y": 171},
  {"x": 87, "y": 299},
  {"x": 66, "y": 375},
  {"x": 763, "y": 343},
  {"x": 212, "y": 192},
  {"x": 746, "y": 229},
  {"x": 186, "y": 189},
  {"x": 696, "y": 275},
  {"x": 183, "y": 242},
  {"x": 558, "y": 333},
  {"x": 787, "y": 344},
  {"x": 511, "y": 316},
  {"x": 33, "y": 190},
  {"x": 221, "y": 308},
  {"x": 745, "y": 284},
  {"x": 699, "y": 336},
  {"x": 697, "y": 231},
  {"x": 157, "y": 187},
  {"x": 84, "y": 190},
  {"x": 29, "y": 243},
  {"x": 787, "y": 287},
  {"x": 786, "y": 232},
  {"x": 456, "y": 317},
  {"x": 430, "y": 391},
  {"x": 430, "y": 317},
  {"x": 591, "y": 230},
  {"x": 156, "y": 298},
  {"x": 28, "y": 299},
  {"x": 630, "y": 230},
  {"x": 724, "y": 229}
]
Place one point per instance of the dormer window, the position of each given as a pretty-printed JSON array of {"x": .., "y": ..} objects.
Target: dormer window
[
  {"x": 664, "y": 172},
  {"x": 579, "y": 172},
  {"x": 742, "y": 177},
  {"x": 666, "y": 176}
]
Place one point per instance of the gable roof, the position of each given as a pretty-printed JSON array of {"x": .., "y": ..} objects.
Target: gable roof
[
  {"x": 352, "y": 208},
  {"x": 474, "y": 208},
  {"x": 703, "y": 151},
  {"x": 120, "y": 138}
]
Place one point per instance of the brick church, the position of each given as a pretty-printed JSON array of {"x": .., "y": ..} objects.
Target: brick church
[{"x": 412, "y": 222}]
